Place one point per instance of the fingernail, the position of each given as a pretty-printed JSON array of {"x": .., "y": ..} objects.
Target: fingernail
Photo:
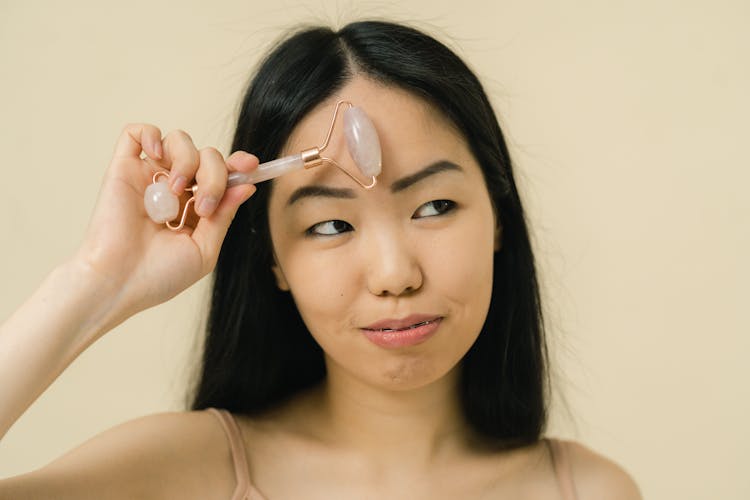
[
  {"x": 206, "y": 206},
  {"x": 157, "y": 150},
  {"x": 179, "y": 184}
]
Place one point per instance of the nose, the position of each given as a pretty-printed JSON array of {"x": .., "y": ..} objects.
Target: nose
[{"x": 393, "y": 267}]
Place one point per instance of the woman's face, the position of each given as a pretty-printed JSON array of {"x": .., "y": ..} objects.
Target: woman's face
[{"x": 394, "y": 282}]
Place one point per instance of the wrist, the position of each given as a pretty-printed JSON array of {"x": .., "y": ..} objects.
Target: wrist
[{"x": 92, "y": 296}]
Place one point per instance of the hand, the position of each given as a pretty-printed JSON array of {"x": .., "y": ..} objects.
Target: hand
[{"x": 141, "y": 263}]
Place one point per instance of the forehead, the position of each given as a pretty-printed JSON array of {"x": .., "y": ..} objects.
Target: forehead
[{"x": 412, "y": 134}]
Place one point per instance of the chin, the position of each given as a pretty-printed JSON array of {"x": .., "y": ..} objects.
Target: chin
[{"x": 410, "y": 373}]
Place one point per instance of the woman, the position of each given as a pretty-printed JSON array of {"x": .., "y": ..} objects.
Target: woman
[{"x": 382, "y": 343}]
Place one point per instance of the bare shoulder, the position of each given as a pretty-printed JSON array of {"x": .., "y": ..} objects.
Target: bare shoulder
[
  {"x": 596, "y": 476},
  {"x": 169, "y": 455}
]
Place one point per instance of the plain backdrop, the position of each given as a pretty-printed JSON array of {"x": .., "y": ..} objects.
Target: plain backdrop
[{"x": 628, "y": 125}]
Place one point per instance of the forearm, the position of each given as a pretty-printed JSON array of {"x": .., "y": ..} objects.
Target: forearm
[
  {"x": 125, "y": 264},
  {"x": 70, "y": 310}
]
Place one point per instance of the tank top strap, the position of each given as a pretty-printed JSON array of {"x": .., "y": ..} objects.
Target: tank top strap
[
  {"x": 244, "y": 489},
  {"x": 558, "y": 450}
]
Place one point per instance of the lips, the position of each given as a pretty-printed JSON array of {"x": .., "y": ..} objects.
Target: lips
[
  {"x": 402, "y": 324},
  {"x": 401, "y": 333}
]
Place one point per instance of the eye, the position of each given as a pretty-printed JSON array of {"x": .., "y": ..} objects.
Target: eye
[
  {"x": 433, "y": 208},
  {"x": 329, "y": 228}
]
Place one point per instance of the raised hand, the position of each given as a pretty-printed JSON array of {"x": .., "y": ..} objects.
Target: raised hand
[{"x": 146, "y": 262}]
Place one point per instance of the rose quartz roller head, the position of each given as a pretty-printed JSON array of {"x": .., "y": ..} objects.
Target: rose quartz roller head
[{"x": 361, "y": 141}]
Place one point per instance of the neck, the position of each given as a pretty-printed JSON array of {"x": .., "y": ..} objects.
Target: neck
[{"x": 422, "y": 423}]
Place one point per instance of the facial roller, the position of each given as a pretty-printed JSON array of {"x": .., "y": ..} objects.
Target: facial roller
[{"x": 362, "y": 143}]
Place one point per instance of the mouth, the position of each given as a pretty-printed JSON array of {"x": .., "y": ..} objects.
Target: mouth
[
  {"x": 396, "y": 325},
  {"x": 395, "y": 334},
  {"x": 415, "y": 325}
]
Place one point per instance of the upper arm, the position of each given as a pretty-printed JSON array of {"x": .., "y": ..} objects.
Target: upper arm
[
  {"x": 159, "y": 456},
  {"x": 596, "y": 476}
]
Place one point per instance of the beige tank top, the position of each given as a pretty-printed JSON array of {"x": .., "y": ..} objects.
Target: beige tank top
[{"x": 246, "y": 491}]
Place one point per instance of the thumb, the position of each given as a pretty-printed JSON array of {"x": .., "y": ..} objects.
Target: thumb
[{"x": 210, "y": 231}]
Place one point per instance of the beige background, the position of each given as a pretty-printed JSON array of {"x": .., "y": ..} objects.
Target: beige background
[{"x": 628, "y": 122}]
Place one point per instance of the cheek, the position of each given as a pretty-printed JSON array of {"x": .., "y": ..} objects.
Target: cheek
[
  {"x": 462, "y": 261},
  {"x": 322, "y": 284}
]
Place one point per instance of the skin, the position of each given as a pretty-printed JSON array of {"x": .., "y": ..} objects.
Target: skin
[
  {"x": 397, "y": 253},
  {"x": 386, "y": 423}
]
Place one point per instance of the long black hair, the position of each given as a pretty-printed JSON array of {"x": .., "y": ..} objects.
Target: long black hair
[{"x": 258, "y": 351}]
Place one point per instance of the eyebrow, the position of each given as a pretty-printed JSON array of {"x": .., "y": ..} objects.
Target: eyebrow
[
  {"x": 318, "y": 190},
  {"x": 429, "y": 170}
]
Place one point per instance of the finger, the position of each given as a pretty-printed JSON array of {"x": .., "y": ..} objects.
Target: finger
[
  {"x": 210, "y": 231},
  {"x": 240, "y": 161},
  {"x": 183, "y": 159},
  {"x": 212, "y": 181},
  {"x": 139, "y": 137}
]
